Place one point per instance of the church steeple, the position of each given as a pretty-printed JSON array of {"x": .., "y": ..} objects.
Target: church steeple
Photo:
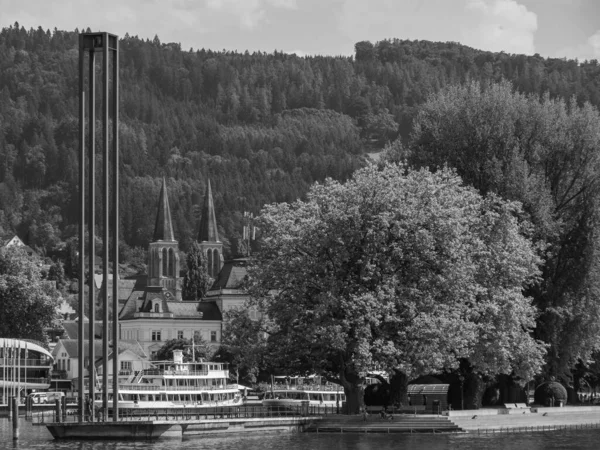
[
  {"x": 208, "y": 236},
  {"x": 163, "y": 228},
  {"x": 163, "y": 251},
  {"x": 208, "y": 222}
]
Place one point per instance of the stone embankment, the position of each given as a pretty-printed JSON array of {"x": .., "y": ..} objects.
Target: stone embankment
[
  {"x": 530, "y": 419},
  {"x": 400, "y": 423},
  {"x": 471, "y": 421}
]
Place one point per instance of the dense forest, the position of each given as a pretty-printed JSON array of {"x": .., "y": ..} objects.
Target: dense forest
[{"x": 263, "y": 127}]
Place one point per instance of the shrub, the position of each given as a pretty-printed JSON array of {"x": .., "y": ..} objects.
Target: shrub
[
  {"x": 546, "y": 391},
  {"x": 377, "y": 394}
]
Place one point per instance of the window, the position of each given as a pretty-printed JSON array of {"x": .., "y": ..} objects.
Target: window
[
  {"x": 156, "y": 308},
  {"x": 153, "y": 355},
  {"x": 253, "y": 313},
  {"x": 156, "y": 335},
  {"x": 125, "y": 365},
  {"x": 196, "y": 335},
  {"x": 180, "y": 334},
  {"x": 213, "y": 336},
  {"x": 68, "y": 364}
]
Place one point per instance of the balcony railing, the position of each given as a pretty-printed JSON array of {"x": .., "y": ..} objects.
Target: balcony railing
[
  {"x": 163, "y": 315},
  {"x": 25, "y": 362},
  {"x": 14, "y": 382}
]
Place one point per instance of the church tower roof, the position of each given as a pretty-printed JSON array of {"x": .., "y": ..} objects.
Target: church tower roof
[
  {"x": 163, "y": 229},
  {"x": 208, "y": 223}
]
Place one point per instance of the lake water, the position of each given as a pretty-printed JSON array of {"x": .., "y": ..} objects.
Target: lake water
[{"x": 39, "y": 438}]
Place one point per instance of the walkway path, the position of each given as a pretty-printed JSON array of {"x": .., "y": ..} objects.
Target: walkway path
[{"x": 374, "y": 424}]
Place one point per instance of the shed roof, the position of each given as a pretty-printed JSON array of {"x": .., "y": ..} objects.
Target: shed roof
[{"x": 425, "y": 389}]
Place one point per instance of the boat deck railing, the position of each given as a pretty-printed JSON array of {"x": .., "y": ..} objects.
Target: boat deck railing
[
  {"x": 303, "y": 387},
  {"x": 155, "y": 387},
  {"x": 175, "y": 372}
]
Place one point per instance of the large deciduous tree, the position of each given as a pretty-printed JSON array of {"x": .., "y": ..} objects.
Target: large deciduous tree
[
  {"x": 27, "y": 301},
  {"x": 543, "y": 152},
  {"x": 396, "y": 269}
]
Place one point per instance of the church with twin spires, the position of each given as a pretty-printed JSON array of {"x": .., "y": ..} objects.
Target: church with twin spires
[{"x": 155, "y": 312}]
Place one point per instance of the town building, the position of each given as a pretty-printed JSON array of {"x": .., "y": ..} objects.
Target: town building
[{"x": 66, "y": 358}]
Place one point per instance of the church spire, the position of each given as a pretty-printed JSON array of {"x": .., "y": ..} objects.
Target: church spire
[
  {"x": 163, "y": 229},
  {"x": 208, "y": 237},
  {"x": 208, "y": 223}
]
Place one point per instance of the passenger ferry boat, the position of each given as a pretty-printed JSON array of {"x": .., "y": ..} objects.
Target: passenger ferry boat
[
  {"x": 24, "y": 367},
  {"x": 295, "y": 391},
  {"x": 177, "y": 384}
]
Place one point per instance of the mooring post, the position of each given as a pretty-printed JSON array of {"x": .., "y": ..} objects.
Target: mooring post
[
  {"x": 15, "y": 418},
  {"x": 57, "y": 410},
  {"x": 29, "y": 406},
  {"x": 63, "y": 401}
]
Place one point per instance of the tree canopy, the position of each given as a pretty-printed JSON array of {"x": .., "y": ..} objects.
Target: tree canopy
[
  {"x": 262, "y": 126},
  {"x": 28, "y": 302},
  {"x": 543, "y": 152},
  {"x": 396, "y": 268},
  {"x": 243, "y": 345},
  {"x": 201, "y": 349},
  {"x": 196, "y": 280}
]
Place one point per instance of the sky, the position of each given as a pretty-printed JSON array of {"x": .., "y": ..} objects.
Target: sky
[{"x": 552, "y": 28}]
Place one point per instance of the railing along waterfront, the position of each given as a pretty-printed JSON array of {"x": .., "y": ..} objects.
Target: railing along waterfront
[{"x": 185, "y": 413}]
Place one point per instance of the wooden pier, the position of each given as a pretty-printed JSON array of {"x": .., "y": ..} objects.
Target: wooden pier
[{"x": 174, "y": 423}]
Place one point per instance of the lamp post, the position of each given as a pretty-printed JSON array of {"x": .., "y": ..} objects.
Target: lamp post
[
  {"x": 91, "y": 44},
  {"x": 462, "y": 394}
]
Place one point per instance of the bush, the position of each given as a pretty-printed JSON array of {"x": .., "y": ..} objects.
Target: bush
[
  {"x": 548, "y": 390},
  {"x": 377, "y": 394},
  {"x": 491, "y": 396}
]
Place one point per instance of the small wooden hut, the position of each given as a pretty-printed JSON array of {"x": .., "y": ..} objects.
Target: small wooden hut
[{"x": 430, "y": 395}]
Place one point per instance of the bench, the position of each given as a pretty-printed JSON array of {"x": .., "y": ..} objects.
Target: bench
[{"x": 396, "y": 410}]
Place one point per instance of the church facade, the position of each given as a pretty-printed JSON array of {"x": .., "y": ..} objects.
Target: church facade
[{"x": 155, "y": 311}]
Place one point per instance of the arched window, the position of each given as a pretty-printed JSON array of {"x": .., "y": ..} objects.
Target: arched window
[
  {"x": 215, "y": 263},
  {"x": 209, "y": 253},
  {"x": 165, "y": 261},
  {"x": 171, "y": 262},
  {"x": 156, "y": 307}
]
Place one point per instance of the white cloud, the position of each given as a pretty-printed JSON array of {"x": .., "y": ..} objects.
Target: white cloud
[
  {"x": 364, "y": 17},
  {"x": 586, "y": 51},
  {"x": 500, "y": 25},
  {"x": 250, "y": 12},
  {"x": 594, "y": 43}
]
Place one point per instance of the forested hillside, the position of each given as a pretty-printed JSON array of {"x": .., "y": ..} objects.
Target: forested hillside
[{"x": 263, "y": 127}]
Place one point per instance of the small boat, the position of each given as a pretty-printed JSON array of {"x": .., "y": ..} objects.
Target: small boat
[
  {"x": 177, "y": 384},
  {"x": 291, "y": 392}
]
